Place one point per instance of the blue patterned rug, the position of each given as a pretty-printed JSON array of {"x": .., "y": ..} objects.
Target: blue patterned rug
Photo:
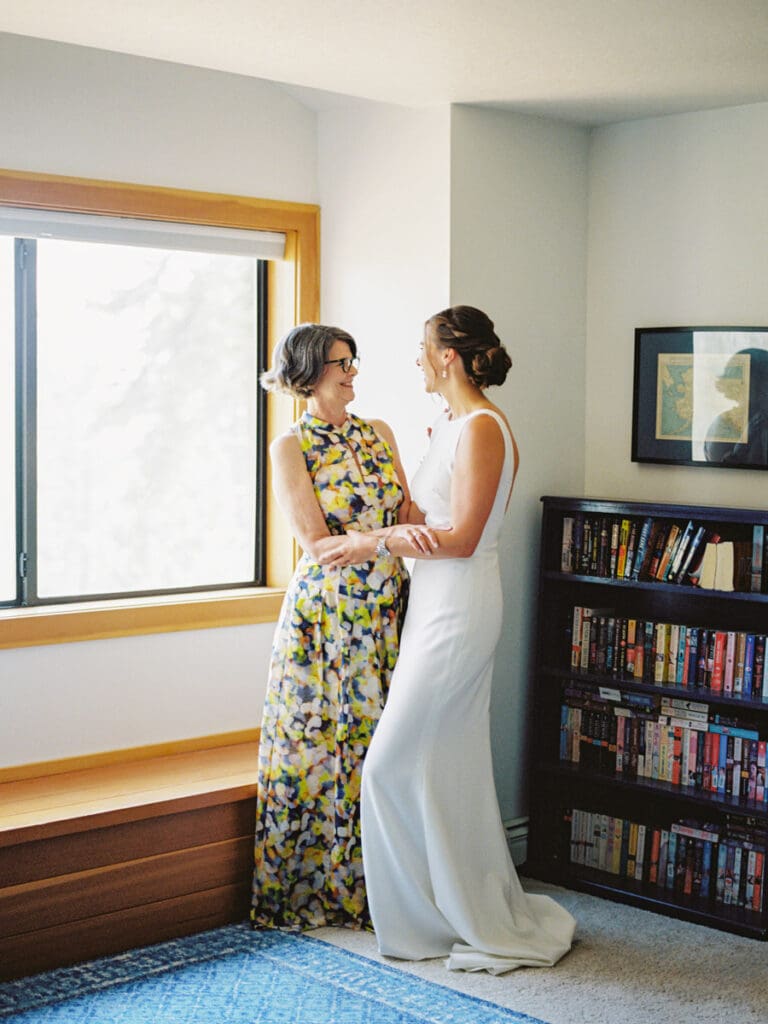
[{"x": 236, "y": 976}]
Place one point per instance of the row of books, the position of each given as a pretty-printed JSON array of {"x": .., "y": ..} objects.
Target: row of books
[
  {"x": 729, "y": 662},
  {"x": 724, "y": 865},
  {"x": 663, "y": 550},
  {"x": 682, "y": 742}
]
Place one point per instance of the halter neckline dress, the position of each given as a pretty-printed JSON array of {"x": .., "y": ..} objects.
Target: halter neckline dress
[{"x": 438, "y": 871}]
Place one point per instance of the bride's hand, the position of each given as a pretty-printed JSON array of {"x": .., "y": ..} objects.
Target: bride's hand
[{"x": 412, "y": 540}]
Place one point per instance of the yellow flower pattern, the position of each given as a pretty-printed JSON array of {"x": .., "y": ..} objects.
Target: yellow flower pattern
[{"x": 334, "y": 650}]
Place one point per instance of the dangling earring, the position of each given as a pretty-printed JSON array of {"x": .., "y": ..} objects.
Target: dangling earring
[{"x": 445, "y": 374}]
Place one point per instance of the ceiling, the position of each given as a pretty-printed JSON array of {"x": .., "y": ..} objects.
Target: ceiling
[{"x": 587, "y": 61}]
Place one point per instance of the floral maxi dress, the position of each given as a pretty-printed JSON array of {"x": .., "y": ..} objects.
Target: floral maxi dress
[{"x": 334, "y": 650}]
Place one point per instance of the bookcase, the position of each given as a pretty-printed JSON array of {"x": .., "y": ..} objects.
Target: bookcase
[{"x": 650, "y": 708}]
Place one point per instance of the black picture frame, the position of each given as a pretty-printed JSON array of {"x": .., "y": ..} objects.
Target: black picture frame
[{"x": 700, "y": 396}]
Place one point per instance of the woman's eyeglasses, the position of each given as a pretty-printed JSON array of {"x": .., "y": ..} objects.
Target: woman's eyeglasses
[{"x": 346, "y": 363}]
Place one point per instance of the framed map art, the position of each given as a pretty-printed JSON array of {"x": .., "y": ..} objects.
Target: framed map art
[{"x": 701, "y": 396}]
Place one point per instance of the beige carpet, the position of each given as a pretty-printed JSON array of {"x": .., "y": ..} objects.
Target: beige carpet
[{"x": 627, "y": 966}]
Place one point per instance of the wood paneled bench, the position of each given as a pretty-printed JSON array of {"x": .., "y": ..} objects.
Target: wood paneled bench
[{"x": 102, "y": 859}]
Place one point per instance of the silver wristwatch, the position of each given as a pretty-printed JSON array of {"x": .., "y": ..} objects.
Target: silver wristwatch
[{"x": 382, "y": 551}]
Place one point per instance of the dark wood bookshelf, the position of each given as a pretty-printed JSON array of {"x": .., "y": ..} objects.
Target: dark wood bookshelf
[{"x": 560, "y": 787}]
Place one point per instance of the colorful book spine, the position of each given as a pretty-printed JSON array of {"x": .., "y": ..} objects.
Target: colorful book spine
[
  {"x": 758, "y": 545},
  {"x": 760, "y": 788},
  {"x": 653, "y": 861},
  {"x": 631, "y": 548},
  {"x": 749, "y": 664},
  {"x": 759, "y": 688},
  {"x": 670, "y": 667},
  {"x": 730, "y": 662},
  {"x": 642, "y": 547},
  {"x": 576, "y": 627},
  {"x": 718, "y": 662},
  {"x": 693, "y": 655},
  {"x": 672, "y": 538},
  {"x": 721, "y": 753},
  {"x": 693, "y": 552},
  {"x": 679, "y": 553},
  {"x": 706, "y": 870},
  {"x": 603, "y": 555},
  {"x": 684, "y": 659},
  {"x": 671, "y": 861},
  {"x": 656, "y": 551},
  {"x": 759, "y": 881},
  {"x": 623, "y": 542},
  {"x": 614, "y": 547},
  {"x": 566, "y": 547},
  {"x": 662, "y": 648}
]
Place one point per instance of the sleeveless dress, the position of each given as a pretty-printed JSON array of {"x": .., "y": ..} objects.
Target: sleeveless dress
[
  {"x": 438, "y": 871},
  {"x": 334, "y": 650}
]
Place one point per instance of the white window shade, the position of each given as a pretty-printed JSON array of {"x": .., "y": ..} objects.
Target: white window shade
[{"x": 154, "y": 234}]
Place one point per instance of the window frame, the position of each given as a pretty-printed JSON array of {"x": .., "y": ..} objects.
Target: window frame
[
  {"x": 292, "y": 297},
  {"x": 28, "y": 393}
]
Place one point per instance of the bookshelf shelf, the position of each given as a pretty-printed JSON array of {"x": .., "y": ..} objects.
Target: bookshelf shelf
[
  {"x": 641, "y": 684},
  {"x": 698, "y": 911},
  {"x": 653, "y": 789},
  {"x": 687, "y": 693},
  {"x": 695, "y": 593}
]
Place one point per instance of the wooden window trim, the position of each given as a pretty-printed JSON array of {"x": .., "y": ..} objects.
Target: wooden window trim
[{"x": 294, "y": 297}]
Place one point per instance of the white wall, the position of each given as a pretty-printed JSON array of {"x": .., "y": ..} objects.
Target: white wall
[
  {"x": 518, "y": 251},
  {"x": 384, "y": 192},
  {"x": 678, "y": 235},
  {"x": 90, "y": 113},
  {"x": 76, "y": 111},
  {"x": 64, "y": 700}
]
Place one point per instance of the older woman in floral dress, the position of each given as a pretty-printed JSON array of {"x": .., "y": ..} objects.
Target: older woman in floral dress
[{"x": 339, "y": 481}]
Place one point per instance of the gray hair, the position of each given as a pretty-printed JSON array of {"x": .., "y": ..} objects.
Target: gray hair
[{"x": 299, "y": 358}]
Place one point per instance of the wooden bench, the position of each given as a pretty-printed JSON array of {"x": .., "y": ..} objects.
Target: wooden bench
[{"x": 109, "y": 857}]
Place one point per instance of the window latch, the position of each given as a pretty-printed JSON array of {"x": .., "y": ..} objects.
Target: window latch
[{"x": 23, "y": 565}]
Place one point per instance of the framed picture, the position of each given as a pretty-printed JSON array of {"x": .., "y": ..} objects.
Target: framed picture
[{"x": 701, "y": 396}]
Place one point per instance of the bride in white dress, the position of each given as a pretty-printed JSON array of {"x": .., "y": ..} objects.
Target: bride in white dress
[{"x": 438, "y": 873}]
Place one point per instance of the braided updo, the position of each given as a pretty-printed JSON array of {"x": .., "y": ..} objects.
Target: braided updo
[{"x": 470, "y": 332}]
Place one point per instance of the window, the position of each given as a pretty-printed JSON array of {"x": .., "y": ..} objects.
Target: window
[
  {"x": 7, "y": 443},
  {"x": 140, "y": 421},
  {"x": 140, "y": 455}
]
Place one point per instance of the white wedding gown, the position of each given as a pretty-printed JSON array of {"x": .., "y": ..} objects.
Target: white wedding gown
[{"x": 438, "y": 873}]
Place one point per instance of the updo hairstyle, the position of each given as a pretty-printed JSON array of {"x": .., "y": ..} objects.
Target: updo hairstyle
[
  {"x": 299, "y": 358},
  {"x": 470, "y": 332}
]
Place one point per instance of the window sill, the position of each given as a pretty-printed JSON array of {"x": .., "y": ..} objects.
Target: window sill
[{"x": 100, "y": 620}]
